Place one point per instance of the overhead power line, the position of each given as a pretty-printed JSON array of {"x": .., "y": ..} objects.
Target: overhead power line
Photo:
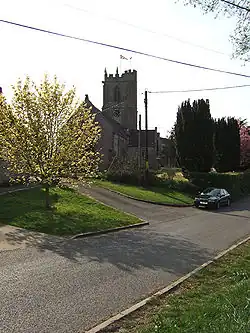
[
  {"x": 236, "y": 5},
  {"x": 148, "y": 30},
  {"x": 193, "y": 90},
  {"x": 125, "y": 49}
]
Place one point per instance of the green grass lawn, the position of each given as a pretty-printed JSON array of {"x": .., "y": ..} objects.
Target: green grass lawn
[
  {"x": 216, "y": 300},
  {"x": 156, "y": 194},
  {"x": 72, "y": 213}
]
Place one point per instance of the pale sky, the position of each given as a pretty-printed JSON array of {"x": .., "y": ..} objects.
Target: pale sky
[{"x": 82, "y": 64}]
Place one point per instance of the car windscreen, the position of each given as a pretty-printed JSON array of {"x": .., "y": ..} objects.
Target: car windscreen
[{"x": 213, "y": 192}]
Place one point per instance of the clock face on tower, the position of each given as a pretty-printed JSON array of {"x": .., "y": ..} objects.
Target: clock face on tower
[{"x": 116, "y": 112}]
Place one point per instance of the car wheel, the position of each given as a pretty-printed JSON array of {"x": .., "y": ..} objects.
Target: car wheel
[
  {"x": 218, "y": 205},
  {"x": 228, "y": 202}
]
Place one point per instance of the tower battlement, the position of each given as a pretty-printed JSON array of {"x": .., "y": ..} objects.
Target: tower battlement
[{"x": 127, "y": 75}]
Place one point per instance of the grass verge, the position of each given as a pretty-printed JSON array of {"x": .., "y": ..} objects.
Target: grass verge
[
  {"x": 72, "y": 213},
  {"x": 215, "y": 300},
  {"x": 156, "y": 194}
]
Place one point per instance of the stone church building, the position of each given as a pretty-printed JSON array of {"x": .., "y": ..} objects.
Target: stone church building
[{"x": 118, "y": 120}]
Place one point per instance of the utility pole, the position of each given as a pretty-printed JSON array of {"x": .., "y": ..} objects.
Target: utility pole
[
  {"x": 139, "y": 150},
  {"x": 146, "y": 137},
  {"x": 139, "y": 146}
]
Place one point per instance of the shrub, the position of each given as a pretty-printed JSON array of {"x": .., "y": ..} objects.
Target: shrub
[
  {"x": 245, "y": 186},
  {"x": 126, "y": 178},
  {"x": 165, "y": 169},
  {"x": 180, "y": 186},
  {"x": 171, "y": 174},
  {"x": 133, "y": 178},
  {"x": 125, "y": 170}
]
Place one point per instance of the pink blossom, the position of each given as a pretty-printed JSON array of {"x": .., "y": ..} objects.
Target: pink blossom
[{"x": 245, "y": 145}]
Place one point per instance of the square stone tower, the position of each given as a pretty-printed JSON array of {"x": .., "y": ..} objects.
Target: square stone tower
[{"x": 120, "y": 97}]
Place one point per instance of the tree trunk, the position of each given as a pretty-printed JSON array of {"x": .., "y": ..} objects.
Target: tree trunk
[{"x": 47, "y": 205}]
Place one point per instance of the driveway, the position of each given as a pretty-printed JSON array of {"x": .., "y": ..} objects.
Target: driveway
[{"x": 55, "y": 285}]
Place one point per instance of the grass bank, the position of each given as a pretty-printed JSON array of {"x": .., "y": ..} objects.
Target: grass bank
[
  {"x": 161, "y": 194},
  {"x": 216, "y": 300},
  {"x": 72, "y": 213}
]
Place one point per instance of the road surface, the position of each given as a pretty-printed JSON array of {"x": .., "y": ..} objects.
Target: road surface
[{"x": 69, "y": 286}]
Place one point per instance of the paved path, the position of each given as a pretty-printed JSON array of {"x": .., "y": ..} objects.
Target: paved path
[
  {"x": 12, "y": 238},
  {"x": 68, "y": 286},
  {"x": 11, "y": 188},
  {"x": 15, "y": 188}
]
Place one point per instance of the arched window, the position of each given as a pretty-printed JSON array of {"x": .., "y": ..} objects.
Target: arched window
[{"x": 117, "y": 94}]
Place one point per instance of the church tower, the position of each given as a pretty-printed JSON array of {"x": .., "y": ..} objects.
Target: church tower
[{"x": 120, "y": 97}]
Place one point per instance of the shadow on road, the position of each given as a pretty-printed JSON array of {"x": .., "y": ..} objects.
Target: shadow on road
[
  {"x": 239, "y": 209},
  {"x": 127, "y": 250}
]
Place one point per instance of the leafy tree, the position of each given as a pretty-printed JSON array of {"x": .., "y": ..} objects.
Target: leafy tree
[
  {"x": 227, "y": 144},
  {"x": 47, "y": 134},
  {"x": 173, "y": 151},
  {"x": 182, "y": 131},
  {"x": 194, "y": 136},
  {"x": 231, "y": 8}
]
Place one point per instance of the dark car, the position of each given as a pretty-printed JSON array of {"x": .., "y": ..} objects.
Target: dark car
[{"x": 213, "y": 198}]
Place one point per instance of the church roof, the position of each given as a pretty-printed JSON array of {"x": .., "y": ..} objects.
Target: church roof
[
  {"x": 118, "y": 127},
  {"x": 103, "y": 116}
]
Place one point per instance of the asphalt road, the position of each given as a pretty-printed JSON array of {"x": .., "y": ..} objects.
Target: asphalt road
[{"x": 69, "y": 286}]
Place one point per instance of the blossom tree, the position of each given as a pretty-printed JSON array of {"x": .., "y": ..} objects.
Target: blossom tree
[
  {"x": 47, "y": 134},
  {"x": 245, "y": 145}
]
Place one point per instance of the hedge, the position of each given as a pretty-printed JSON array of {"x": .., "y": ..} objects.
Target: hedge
[
  {"x": 131, "y": 178},
  {"x": 237, "y": 184}
]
